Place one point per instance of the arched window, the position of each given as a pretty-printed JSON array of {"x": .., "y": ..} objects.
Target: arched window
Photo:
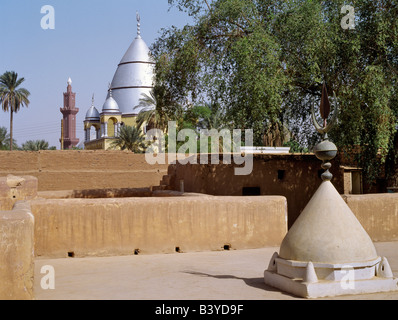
[
  {"x": 112, "y": 127},
  {"x": 93, "y": 133}
]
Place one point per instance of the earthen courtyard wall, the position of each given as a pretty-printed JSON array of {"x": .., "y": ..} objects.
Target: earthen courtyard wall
[
  {"x": 78, "y": 169},
  {"x": 378, "y": 214},
  {"x": 294, "y": 176},
  {"x": 189, "y": 222},
  {"x": 101, "y": 227}
]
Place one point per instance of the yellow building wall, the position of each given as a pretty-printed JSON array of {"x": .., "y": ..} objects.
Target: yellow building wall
[
  {"x": 129, "y": 121},
  {"x": 106, "y": 143},
  {"x": 95, "y": 145}
]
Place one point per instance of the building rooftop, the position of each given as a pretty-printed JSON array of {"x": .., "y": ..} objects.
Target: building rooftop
[{"x": 216, "y": 275}]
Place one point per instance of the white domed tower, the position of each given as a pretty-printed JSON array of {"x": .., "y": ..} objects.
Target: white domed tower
[
  {"x": 134, "y": 76},
  {"x": 92, "y": 120},
  {"x": 111, "y": 120}
]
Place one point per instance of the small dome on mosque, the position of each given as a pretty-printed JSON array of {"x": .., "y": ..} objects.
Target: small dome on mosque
[
  {"x": 92, "y": 113},
  {"x": 110, "y": 105}
]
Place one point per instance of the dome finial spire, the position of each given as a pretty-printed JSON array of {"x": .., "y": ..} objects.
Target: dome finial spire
[
  {"x": 110, "y": 89},
  {"x": 138, "y": 24}
]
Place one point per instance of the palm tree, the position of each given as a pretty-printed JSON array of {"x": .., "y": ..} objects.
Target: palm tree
[
  {"x": 130, "y": 138},
  {"x": 152, "y": 113},
  {"x": 12, "y": 98},
  {"x": 5, "y": 140},
  {"x": 35, "y": 145}
]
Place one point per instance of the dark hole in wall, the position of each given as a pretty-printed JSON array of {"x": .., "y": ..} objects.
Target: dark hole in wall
[
  {"x": 227, "y": 247},
  {"x": 251, "y": 191},
  {"x": 281, "y": 174}
]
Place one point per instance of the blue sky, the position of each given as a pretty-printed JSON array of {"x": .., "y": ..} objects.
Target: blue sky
[{"x": 88, "y": 42}]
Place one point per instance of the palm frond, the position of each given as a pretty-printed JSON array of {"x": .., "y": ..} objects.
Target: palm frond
[{"x": 130, "y": 138}]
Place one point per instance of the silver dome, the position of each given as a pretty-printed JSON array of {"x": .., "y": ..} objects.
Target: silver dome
[
  {"x": 92, "y": 114},
  {"x": 133, "y": 77},
  {"x": 110, "y": 106},
  {"x": 137, "y": 52}
]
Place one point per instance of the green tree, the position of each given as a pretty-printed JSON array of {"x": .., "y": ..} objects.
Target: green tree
[
  {"x": 264, "y": 63},
  {"x": 210, "y": 117},
  {"x": 5, "y": 140},
  {"x": 12, "y": 98},
  {"x": 130, "y": 138},
  {"x": 359, "y": 65},
  {"x": 229, "y": 57},
  {"x": 158, "y": 108},
  {"x": 35, "y": 145}
]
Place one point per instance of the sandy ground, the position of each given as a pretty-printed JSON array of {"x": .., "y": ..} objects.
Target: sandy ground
[{"x": 224, "y": 275}]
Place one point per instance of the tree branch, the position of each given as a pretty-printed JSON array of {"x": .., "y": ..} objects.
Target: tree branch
[{"x": 208, "y": 6}]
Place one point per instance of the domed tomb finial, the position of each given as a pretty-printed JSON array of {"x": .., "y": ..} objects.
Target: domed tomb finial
[
  {"x": 325, "y": 150},
  {"x": 110, "y": 89},
  {"x": 138, "y": 24}
]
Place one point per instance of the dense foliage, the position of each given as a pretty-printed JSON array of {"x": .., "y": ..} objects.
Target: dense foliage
[
  {"x": 263, "y": 64},
  {"x": 130, "y": 138},
  {"x": 36, "y": 145}
]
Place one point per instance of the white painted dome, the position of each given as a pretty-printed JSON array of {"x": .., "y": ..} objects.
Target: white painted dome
[
  {"x": 327, "y": 232},
  {"x": 110, "y": 105},
  {"x": 133, "y": 77}
]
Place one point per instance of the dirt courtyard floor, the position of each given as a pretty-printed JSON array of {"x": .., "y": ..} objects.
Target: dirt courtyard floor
[{"x": 223, "y": 275}]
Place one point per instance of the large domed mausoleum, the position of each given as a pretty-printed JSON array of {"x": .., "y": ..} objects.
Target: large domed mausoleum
[{"x": 133, "y": 78}]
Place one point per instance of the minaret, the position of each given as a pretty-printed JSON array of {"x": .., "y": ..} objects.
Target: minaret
[{"x": 69, "y": 112}]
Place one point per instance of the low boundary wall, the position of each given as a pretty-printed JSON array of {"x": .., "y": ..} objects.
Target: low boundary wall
[
  {"x": 182, "y": 222},
  {"x": 82, "y": 169},
  {"x": 378, "y": 214},
  {"x": 124, "y": 226}
]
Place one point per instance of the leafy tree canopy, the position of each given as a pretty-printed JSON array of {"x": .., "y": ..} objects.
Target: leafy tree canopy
[
  {"x": 36, "y": 145},
  {"x": 264, "y": 63}
]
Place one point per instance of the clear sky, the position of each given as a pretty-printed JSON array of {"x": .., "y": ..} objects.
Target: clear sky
[{"x": 88, "y": 42}]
